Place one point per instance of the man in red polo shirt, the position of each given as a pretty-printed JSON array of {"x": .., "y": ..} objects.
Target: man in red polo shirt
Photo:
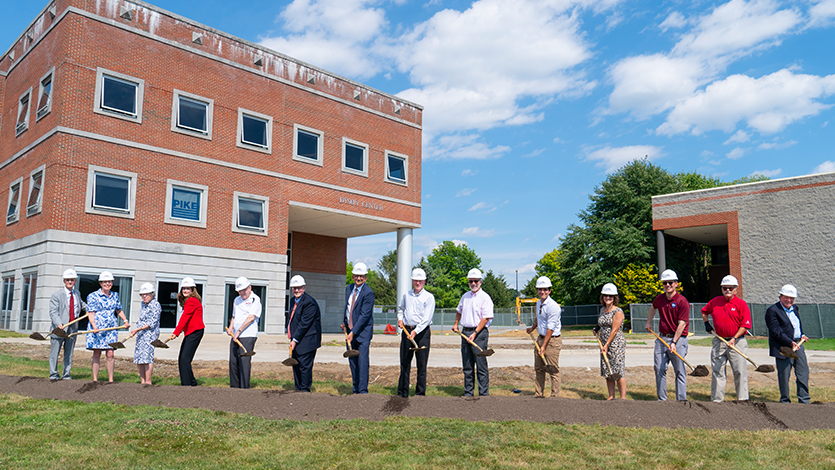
[
  {"x": 673, "y": 322},
  {"x": 732, "y": 318}
]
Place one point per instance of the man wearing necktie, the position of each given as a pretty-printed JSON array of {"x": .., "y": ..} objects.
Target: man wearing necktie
[
  {"x": 785, "y": 329},
  {"x": 359, "y": 323},
  {"x": 65, "y": 306},
  {"x": 304, "y": 332}
]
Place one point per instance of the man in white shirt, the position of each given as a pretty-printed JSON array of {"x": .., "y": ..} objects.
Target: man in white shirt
[
  {"x": 475, "y": 313},
  {"x": 549, "y": 326},
  {"x": 415, "y": 312},
  {"x": 243, "y": 326},
  {"x": 65, "y": 306}
]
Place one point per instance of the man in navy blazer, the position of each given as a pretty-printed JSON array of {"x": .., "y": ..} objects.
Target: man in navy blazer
[
  {"x": 359, "y": 323},
  {"x": 60, "y": 314},
  {"x": 784, "y": 329},
  {"x": 304, "y": 332}
]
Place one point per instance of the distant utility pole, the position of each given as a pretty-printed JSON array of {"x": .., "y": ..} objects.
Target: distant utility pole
[{"x": 517, "y": 283}]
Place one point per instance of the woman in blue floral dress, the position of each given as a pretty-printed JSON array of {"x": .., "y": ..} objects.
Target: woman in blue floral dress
[
  {"x": 102, "y": 307},
  {"x": 146, "y": 332}
]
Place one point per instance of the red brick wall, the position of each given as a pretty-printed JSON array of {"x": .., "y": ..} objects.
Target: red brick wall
[{"x": 318, "y": 253}]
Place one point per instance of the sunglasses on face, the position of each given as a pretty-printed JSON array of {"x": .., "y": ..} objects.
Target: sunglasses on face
[
  {"x": 668, "y": 283},
  {"x": 728, "y": 288},
  {"x": 474, "y": 282}
]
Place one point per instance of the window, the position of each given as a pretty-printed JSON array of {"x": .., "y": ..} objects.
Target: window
[
  {"x": 34, "y": 202},
  {"x": 185, "y": 204},
  {"x": 354, "y": 157},
  {"x": 88, "y": 282},
  {"x": 192, "y": 115},
  {"x": 250, "y": 214},
  {"x": 396, "y": 166},
  {"x": 27, "y": 302},
  {"x": 23, "y": 112},
  {"x": 6, "y": 302},
  {"x": 13, "y": 213},
  {"x": 111, "y": 192},
  {"x": 168, "y": 285},
  {"x": 45, "y": 95},
  {"x": 254, "y": 131},
  {"x": 259, "y": 288},
  {"x": 307, "y": 145},
  {"x": 119, "y": 95}
]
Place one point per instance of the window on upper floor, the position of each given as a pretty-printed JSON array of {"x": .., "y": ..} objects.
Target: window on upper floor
[
  {"x": 185, "y": 204},
  {"x": 251, "y": 213},
  {"x": 111, "y": 192},
  {"x": 45, "y": 94},
  {"x": 254, "y": 131},
  {"x": 34, "y": 201},
  {"x": 354, "y": 157},
  {"x": 119, "y": 95},
  {"x": 192, "y": 115},
  {"x": 13, "y": 211},
  {"x": 307, "y": 145},
  {"x": 396, "y": 168},
  {"x": 23, "y": 112}
]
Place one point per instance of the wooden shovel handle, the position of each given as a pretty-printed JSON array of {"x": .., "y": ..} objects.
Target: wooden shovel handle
[
  {"x": 85, "y": 332},
  {"x": 674, "y": 352},
  {"x": 409, "y": 335},
  {"x": 802, "y": 340},
  {"x": 471, "y": 342},
  {"x": 76, "y": 320},
  {"x": 242, "y": 346},
  {"x": 735, "y": 349},
  {"x": 605, "y": 358}
]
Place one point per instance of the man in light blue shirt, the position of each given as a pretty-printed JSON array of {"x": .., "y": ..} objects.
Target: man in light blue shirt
[
  {"x": 786, "y": 330},
  {"x": 549, "y": 326}
]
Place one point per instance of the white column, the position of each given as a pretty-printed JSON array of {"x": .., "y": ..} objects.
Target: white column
[{"x": 404, "y": 262}]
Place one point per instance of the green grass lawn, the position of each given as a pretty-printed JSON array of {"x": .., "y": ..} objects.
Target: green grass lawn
[{"x": 825, "y": 344}]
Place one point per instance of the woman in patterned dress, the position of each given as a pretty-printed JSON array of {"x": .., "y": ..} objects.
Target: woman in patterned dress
[
  {"x": 191, "y": 323},
  {"x": 146, "y": 332},
  {"x": 614, "y": 345},
  {"x": 102, "y": 308}
]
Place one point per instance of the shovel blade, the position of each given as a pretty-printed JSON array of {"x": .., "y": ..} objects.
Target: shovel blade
[
  {"x": 37, "y": 336},
  {"x": 765, "y": 368},
  {"x": 552, "y": 369},
  {"x": 117, "y": 345},
  {"x": 700, "y": 371},
  {"x": 351, "y": 353},
  {"x": 59, "y": 332},
  {"x": 486, "y": 353},
  {"x": 247, "y": 354},
  {"x": 785, "y": 350},
  {"x": 159, "y": 344},
  {"x": 290, "y": 362}
]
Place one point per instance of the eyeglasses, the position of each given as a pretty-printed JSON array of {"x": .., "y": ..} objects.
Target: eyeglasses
[
  {"x": 296, "y": 288},
  {"x": 728, "y": 288},
  {"x": 474, "y": 281},
  {"x": 668, "y": 283}
]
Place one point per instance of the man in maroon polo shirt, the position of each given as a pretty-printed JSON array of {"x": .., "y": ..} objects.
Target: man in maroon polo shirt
[
  {"x": 674, "y": 320},
  {"x": 732, "y": 318}
]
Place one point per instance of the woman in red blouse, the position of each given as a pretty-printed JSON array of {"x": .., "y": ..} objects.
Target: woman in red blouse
[{"x": 191, "y": 323}]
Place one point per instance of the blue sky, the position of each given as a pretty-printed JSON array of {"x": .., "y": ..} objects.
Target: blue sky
[{"x": 530, "y": 103}]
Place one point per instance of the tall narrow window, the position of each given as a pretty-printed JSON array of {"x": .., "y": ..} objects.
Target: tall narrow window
[
  {"x": 33, "y": 204},
  {"x": 396, "y": 168},
  {"x": 119, "y": 95},
  {"x": 45, "y": 95},
  {"x": 307, "y": 145},
  {"x": 192, "y": 115},
  {"x": 27, "y": 301},
  {"x": 6, "y": 303},
  {"x": 13, "y": 211},
  {"x": 23, "y": 112},
  {"x": 254, "y": 131},
  {"x": 251, "y": 214},
  {"x": 111, "y": 192}
]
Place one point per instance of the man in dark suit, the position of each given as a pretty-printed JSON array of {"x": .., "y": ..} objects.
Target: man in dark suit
[
  {"x": 304, "y": 332},
  {"x": 65, "y": 306},
  {"x": 359, "y": 323},
  {"x": 784, "y": 329}
]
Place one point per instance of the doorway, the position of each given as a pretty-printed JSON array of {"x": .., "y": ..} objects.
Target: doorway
[{"x": 167, "y": 297}]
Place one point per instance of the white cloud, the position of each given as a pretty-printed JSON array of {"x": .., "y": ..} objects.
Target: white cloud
[
  {"x": 767, "y": 173},
  {"x": 825, "y": 167},
  {"x": 533, "y": 153},
  {"x": 736, "y": 153},
  {"x": 740, "y": 137},
  {"x": 459, "y": 147},
  {"x": 477, "y": 232},
  {"x": 557, "y": 237},
  {"x": 674, "y": 20},
  {"x": 465, "y": 192},
  {"x": 612, "y": 158},
  {"x": 822, "y": 14},
  {"x": 776, "y": 145},
  {"x": 528, "y": 268},
  {"x": 479, "y": 206},
  {"x": 651, "y": 84},
  {"x": 468, "y": 172}
]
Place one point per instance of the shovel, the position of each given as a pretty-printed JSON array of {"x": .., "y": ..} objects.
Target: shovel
[
  {"x": 59, "y": 332},
  {"x": 789, "y": 352},
  {"x": 549, "y": 368},
  {"x": 246, "y": 353},
  {"x": 157, "y": 343},
  {"x": 762, "y": 368},
  {"x": 482, "y": 352},
  {"x": 409, "y": 335},
  {"x": 119, "y": 344},
  {"x": 698, "y": 371},
  {"x": 87, "y": 332},
  {"x": 608, "y": 366},
  {"x": 350, "y": 352}
]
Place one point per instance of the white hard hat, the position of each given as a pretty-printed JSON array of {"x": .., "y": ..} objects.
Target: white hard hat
[
  {"x": 70, "y": 274},
  {"x": 729, "y": 281},
  {"x": 418, "y": 274},
  {"x": 609, "y": 289},
  {"x": 187, "y": 282},
  {"x": 241, "y": 283},
  {"x": 360, "y": 269},
  {"x": 105, "y": 276},
  {"x": 543, "y": 283},
  {"x": 474, "y": 273},
  {"x": 295, "y": 281},
  {"x": 789, "y": 291},
  {"x": 146, "y": 288},
  {"x": 669, "y": 275}
]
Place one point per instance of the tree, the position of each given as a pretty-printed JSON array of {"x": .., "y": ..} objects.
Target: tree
[
  {"x": 638, "y": 283},
  {"x": 496, "y": 287},
  {"x": 448, "y": 264},
  {"x": 383, "y": 281}
]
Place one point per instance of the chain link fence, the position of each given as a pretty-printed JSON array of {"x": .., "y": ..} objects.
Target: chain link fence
[{"x": 818, "y": 319}]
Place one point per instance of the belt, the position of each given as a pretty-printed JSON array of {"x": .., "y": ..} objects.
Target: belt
[
  {"x": 796, "y": 339},
  {"x": 553, "y": 336}
]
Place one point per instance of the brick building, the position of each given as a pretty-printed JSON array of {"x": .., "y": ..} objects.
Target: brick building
[{"x": 140, "y": 142}]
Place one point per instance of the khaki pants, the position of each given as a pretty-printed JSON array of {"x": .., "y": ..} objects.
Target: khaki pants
[
  {"x": 720, "y": 354},
  {"x": 552, "y": 354}
]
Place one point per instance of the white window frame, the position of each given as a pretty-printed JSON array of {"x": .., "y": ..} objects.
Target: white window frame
[
  {"x": 140, "y": 93},
  {"x": 345, "y": 169},
  {"x": 43, "y": 111},
  {"x": 92, "y": 170},
  {"x": 16, "y": 216},
  {"x": 30, "y": 294},
  {"x": 175, "y": 115},
  {"x": 32, "y": 209},
  {"x": 266, "y": 214},
  {"x": 251, "y": 146},
  {"x": 169, "y": 198},
  {"x": 22, "y": 126},
  {"x": 320, "y": 146},
  {"x": 405, "y": 159}
]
